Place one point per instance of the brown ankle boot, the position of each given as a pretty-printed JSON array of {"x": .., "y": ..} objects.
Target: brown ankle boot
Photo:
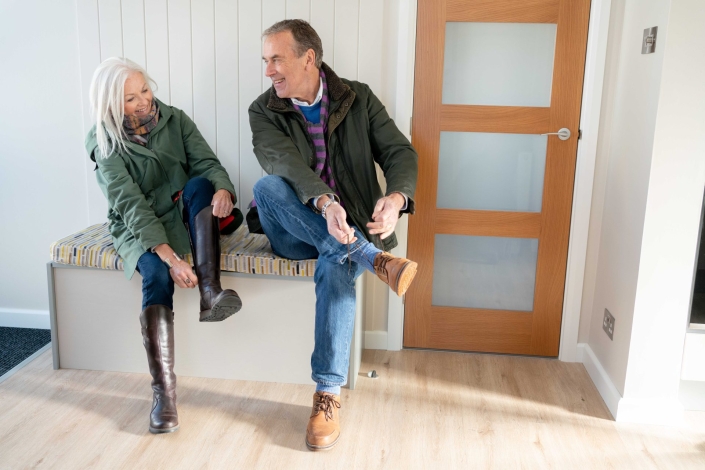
[
  {"x": 323, "y": 428},
  {"x": 396, "y": 272},
  {"x": 216, "y": 304},
  {"x": 158, "y": 338}
]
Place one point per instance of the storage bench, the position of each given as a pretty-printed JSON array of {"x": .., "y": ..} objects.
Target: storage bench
[{"x": 95, "y": 313}]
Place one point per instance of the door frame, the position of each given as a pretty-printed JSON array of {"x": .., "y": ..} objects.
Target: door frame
[{"x": 584, "y": 172}]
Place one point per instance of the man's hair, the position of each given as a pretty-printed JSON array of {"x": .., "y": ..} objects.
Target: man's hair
[{"x": 305, "y": 37}]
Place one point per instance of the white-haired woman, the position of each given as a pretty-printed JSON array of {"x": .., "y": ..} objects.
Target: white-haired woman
[{"x": 168, "y": 195}]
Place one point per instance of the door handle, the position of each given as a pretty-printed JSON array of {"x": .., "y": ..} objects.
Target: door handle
[{"x": 563, "y": 134}]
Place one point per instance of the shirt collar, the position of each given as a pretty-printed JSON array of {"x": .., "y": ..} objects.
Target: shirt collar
[{"x": 316, "y": 101}]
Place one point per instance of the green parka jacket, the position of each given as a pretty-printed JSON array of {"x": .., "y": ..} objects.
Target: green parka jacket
[
  {"x": 139, "y": 186},
  {"x": 359, "y": 134}
]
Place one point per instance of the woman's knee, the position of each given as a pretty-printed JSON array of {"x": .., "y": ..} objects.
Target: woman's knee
[{"x": 198, "y": 185}]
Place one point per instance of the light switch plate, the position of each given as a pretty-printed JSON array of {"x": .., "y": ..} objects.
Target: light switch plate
[
  {"x": 608, "y": 324},
  {"x": 648, "y": 43}
]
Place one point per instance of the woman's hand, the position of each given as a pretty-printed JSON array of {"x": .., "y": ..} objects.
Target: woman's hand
[
  {"x": 222, "y": 203},
  {"x": 180, "y": 271}
]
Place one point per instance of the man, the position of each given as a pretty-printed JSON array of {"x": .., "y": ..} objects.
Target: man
[{"x": 318, "y": 137}]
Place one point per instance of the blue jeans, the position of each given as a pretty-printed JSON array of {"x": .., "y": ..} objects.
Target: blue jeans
[
  {"x": 157, "y": 284},
  {"x": 296, "y": 232}
]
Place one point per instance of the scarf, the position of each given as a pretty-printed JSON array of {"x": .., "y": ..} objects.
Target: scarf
[
  {"x": 137, "y": 129},
  {"x": 317, "y": 132}
]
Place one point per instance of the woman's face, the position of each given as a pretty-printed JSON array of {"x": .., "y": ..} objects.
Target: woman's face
[{"x": 138, "y": 96}]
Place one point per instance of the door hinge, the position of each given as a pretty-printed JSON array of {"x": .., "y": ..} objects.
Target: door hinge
[
  {"x": 411, "y": 124},
  {"x": 580, "y": 134}
]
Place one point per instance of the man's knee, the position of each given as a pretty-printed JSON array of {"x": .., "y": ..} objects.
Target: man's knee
[{"x": 269, "y": 185}]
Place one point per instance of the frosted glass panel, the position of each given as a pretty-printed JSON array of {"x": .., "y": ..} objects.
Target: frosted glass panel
[
  {"x": 484, "y": 272},
  {"x": 500, "y": 64},
  {"x": 502, "y": 172}
]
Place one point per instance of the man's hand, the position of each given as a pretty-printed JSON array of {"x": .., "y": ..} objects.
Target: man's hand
[
  {"x": 338, "y": 226},
  {"x": 386, "y": 215},
  {"x": 222, "y": 203}
]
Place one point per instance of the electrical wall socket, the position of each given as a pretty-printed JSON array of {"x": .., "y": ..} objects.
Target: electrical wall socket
[{"x": 608, "y": 324}]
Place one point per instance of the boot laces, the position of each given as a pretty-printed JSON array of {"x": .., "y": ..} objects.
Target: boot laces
[
  {"x": 382, "y": 266},
  {"x": 325, "y": 403}
]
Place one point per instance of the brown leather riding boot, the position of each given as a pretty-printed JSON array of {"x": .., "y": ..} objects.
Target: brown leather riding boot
[
  {"x": 396, "y": 272},
  {"x": 216, "y": 304},
  {"x": 158, "y": 339},
  {"x": 323, "y": 428}
]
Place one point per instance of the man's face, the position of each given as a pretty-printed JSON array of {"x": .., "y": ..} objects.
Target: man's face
[{"x": 287, "y": 71}]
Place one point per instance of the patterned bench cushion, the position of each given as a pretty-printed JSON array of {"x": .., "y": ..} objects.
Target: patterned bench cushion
[{"x": 242, "y": 252}]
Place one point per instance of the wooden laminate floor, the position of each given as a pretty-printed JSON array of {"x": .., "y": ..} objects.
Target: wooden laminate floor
[{"x": 426, "y": 410}]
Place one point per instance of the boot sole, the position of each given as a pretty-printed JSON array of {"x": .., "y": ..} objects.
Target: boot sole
[
  {"x": 163, "y": 431},
  {"x": 322, "y": 448},
  {"x": 222, "y": 310},
  {"x": 406, "y": 277}
]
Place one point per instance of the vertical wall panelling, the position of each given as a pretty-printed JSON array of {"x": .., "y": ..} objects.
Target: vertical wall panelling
[
  {"x": 250, "y": 29},
  {"x": 89, "y": 52},
  {"x": 272, "y": 11},
  {"x": 157, "y": 46},
  {"x": 205, "y": 56},
  {"x": 298, "y": 9},
  {"x": 181, "y": 75},
  {"x": 203, "y": 46},
  {"x": 110, "y": 19},
  {"x": 369, "y": 62},
  {"x": 346, "y": 38},
  {"x": 133, "y": 32},
  {"x": 226, "y": 90},
  {"x": 323, "y": 21}
]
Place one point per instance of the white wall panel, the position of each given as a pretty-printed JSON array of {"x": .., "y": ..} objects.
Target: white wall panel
[
  {"x": 272, "y": 12},
  {"x": 250, "y": 86},
  {"x": 323, "y": 21},
  {"x": 298, "y": 9},
  {"x": 110, "y": 20},
  {"x": 369, "y": 62},
  {"x": 346, "y": 38},
  {"x": 203, "y": 44},
  {"x": 180, "y": 65},
  {"x": 226, "y": 90},
  {"x": 157, "y": 46},
  {"x": 133, "y": 32},
  {"x": 89, "y": 52}
]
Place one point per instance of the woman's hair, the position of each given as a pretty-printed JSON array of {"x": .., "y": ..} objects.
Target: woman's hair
[{"x": 107, "y": 96}]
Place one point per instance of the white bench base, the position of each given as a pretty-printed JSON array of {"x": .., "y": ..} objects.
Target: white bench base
[{"x": 95, "y": 325}]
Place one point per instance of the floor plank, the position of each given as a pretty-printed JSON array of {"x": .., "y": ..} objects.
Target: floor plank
[{"x": 426, "y": 410}]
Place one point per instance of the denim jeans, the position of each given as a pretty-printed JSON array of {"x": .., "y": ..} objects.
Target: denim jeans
[
  {"x": 296, "y": 232},
  {"x": 157, "y": 284}
]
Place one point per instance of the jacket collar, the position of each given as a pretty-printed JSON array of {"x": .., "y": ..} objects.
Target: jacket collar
[{"x": 336, "y": 90}]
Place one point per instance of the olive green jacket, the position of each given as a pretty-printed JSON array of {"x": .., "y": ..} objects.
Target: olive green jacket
[
  {"x": 140, "y": 185},
  {"x": 359, "y": 134}
]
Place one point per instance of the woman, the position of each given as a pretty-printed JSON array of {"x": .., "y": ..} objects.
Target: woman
[{"x": 158, "y": 174}]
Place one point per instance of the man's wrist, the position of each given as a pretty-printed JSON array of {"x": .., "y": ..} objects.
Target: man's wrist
[{"x": 399, "y": 199}]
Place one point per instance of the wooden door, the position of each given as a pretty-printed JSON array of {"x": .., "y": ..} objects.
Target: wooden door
[{"x": 494, "y": 195}]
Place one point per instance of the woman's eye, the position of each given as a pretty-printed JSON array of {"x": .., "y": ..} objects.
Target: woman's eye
[{"x": 129, "y": 100}]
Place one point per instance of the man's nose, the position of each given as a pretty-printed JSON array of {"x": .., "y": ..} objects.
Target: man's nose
[{"x": 269, "y": 70}]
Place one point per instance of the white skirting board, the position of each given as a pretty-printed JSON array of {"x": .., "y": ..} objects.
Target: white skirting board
[
  {"x": 21, "y": 318},
  {"x": 95, "y": 315},
  {"x": 669, "y": 413},
  {"x": 600, "y": 378},
  {"x": 376, "y": 340}
]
